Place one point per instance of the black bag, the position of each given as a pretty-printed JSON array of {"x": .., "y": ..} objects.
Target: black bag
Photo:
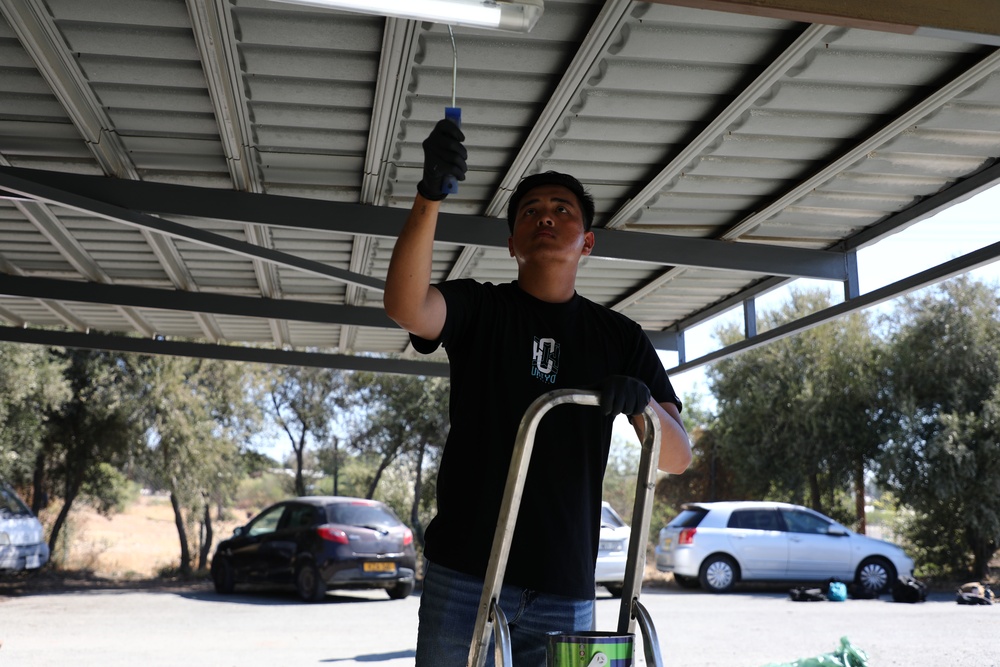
[
  {"x": 974, "y": 593},
  {"x": 859, "y": 592},
  {"x": 803, "y": 594},
  {"x": 908, "y": 589}
]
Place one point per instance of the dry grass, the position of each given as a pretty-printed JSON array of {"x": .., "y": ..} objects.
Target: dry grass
[{"x": 139, "y": 543}]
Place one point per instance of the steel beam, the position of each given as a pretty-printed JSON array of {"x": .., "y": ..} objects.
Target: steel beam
[
  {"x": 93, "y": 341},
  {"x": 125, "y": 197},
  {"x": 85, "y": 203},
  {"x": 195, "y": 302},
  {"x": 950, "y": 269}
]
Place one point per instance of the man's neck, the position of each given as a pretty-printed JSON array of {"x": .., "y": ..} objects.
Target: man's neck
[{"x": 552, "y": 286}]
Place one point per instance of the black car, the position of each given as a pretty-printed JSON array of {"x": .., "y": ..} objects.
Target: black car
[{"x": 320, "y": 542}]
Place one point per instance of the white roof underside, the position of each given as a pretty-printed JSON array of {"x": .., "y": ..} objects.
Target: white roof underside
[{"x": 156, "y": 155}]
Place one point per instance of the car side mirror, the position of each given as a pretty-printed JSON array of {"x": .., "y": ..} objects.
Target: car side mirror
[{"x": 239, "y": 530}]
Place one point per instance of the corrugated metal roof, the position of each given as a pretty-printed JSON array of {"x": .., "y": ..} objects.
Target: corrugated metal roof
[{"x": 727, "y": 153}]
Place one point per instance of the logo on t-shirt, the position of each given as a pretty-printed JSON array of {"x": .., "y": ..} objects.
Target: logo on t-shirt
[{"x": 545, "y": 360}]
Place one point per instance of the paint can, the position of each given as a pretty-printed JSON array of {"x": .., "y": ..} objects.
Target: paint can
[{"x": 589, "y": 649}]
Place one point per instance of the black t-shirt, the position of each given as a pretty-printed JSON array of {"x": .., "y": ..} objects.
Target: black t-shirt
[{"x": 506, "y": 348}]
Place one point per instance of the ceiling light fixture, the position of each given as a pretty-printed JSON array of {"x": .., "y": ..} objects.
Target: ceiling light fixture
[{"x": 519, "y": 16}]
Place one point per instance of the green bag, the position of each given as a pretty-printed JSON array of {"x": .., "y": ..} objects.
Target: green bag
[{"x": 845, "y": 656}]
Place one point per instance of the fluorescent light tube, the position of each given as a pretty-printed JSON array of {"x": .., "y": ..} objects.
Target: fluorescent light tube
[{"x": 508, "y": 15}]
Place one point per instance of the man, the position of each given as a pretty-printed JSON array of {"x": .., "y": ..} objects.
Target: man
[{"x": 507, "y": 345}]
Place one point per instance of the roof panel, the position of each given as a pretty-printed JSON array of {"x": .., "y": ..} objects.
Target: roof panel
[{"x": 747, "y": 132}]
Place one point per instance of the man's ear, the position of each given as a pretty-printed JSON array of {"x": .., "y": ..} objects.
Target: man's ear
[
  {"x": 510, "y": 245},
  {"x": 588, "y": 243}
]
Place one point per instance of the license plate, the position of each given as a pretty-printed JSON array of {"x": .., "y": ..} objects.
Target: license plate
[
  {"x": 379, "y": 567},
  {"x": 32, "y": 562}
]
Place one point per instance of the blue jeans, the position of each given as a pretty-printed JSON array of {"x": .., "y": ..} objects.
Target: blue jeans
[{"x": 448, "y": 606}]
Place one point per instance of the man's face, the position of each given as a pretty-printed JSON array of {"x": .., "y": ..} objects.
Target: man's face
[{"x": 549, "y": 225}]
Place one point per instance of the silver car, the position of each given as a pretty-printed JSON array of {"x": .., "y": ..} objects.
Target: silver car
[
  {"x": 22, "y": 539},
  {"x": 716, "y": 545},
  {"x": 612, "y": 555}
]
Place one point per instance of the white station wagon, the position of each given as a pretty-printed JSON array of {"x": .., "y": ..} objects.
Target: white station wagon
[
  {"x": 22, "y": 540},
  {"x": 716, "y": 545},
  {"x": 612, "y": 555}
]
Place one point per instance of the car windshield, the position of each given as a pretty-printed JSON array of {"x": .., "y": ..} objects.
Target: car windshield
[
  {"x": 610, "y": 518},
  {"x": 11, "y": 505},
  {"x": 367, "y": 516},
  {"x": 688, "y": 518}
]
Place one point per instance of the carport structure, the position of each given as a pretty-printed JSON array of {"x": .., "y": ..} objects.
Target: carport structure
[{"x": 226, "y": 178}]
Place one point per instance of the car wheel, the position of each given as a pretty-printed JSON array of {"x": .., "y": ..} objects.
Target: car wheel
[
  {"x": 686, "y": 582},
  {"x": 718, "y": 574},
  {"x": 223, "y": 576},
  {"x": 616, "y": 590},
  {"x": 875, "y": 575},
  {"x": 308, "y": 583},
  {"x": 400, "y": 590}
]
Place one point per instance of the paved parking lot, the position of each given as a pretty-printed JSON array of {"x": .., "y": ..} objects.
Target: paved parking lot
[{"x": 126, "y": 628}]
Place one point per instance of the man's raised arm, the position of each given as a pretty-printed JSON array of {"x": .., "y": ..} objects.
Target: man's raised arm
[{"x": 409, "y": 298}]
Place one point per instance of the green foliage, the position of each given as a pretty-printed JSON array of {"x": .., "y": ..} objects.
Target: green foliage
[
  {"x": 696, "y": 416},
  {"x": 253, "y": 462},
  {"x": 32, "y": 385},
  {"x": 101, "y": 423},
  {"x": 797, "y": 418},
  {"x": 934, "y": 548},
  {"x": 396, "y": 490},
  {"x": 259, "y": 491},
  {"x": 303, "y": 403},
  {"x": 400, "y": 419},
  {"x": 621, "y": 475},
  {"x": 804, "y": 418},
  {"x": 200, "y": 413},
  {"x": 662, "y": 514},
  {"x": 708, "y": 478},
  {"x": 944, "y": 456},
  {"x": 108, "y": 490}
]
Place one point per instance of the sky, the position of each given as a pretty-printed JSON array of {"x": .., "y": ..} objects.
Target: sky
[{"x": 960, "y": 229}]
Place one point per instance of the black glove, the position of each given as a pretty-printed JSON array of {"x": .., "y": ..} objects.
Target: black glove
[
  {"x": 623, "y": 394},
  {"x": 444, "y": 155}
]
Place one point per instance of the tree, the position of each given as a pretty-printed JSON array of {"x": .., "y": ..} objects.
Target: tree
[
  {"x": 847, "y": 416},
  {"x": 101, "y": 425},
  {"x": 943, "y": 459},
  {"x": 303, "y": 403},
  {"x": 622, "y": 474},
  {"x": 32, "y": 386},
  {"x": 201, "y": 411},
  {"x": 709, "y": 477},
  {"x": 796, "y": 417},
  {"x": 400, "y": 417}
]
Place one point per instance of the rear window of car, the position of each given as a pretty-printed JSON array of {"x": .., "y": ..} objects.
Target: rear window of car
[
  {"x": 688, "y": 518},
  {"x": 369, "y": 516}
]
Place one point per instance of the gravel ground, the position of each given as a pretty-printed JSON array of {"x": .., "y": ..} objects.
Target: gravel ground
[{"x": 53, "y": 620}]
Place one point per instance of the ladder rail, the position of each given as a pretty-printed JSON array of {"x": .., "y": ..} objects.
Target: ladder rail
[{"x": 489, "y": 613}]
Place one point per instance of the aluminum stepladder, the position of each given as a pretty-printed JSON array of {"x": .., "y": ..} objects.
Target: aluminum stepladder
[{"x": 490, "y": 618}]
